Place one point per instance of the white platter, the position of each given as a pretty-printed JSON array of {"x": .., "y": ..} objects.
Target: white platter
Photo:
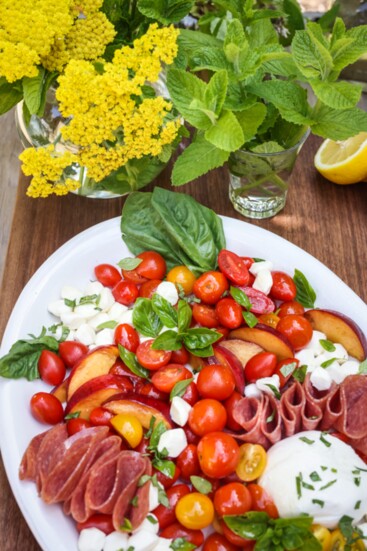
[{"x": 73, "y": 264}]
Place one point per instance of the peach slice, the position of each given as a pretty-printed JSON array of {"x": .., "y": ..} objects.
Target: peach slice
[
  {"x": 142, "y": 407},
  {"x": 267, "y": 338},
  {"x": 96, "y": 363},
  {"x": 339, "y": 328},
  {"x": 61, "y": 390},
  {"x": 243, "y": 350}
]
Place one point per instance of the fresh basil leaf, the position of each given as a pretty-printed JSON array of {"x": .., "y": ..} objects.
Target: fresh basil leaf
[
  {"x": 169, "y": 340},
  {"x": 132, "y": 363},
  {"x": 129, "y": 263},
  {"x": 251, "y": 526},
  {"x": 181, "y": 544},
  {"x": 328, "y": 362},
  {"x": 275, "y": 391},
  {"x": 305, "y": 293},
  {"x": 164, "y": 310},
  {"x": 250, "y": 319},
  {"x": 184, "y": 314},
  {"x": 240, "y": 296},
  {"x": 327, "y": 345},
  {"x": 201, "y": 484},
  {"x": 145, "y": 320},
  {"x": 74, "y": 415},
  {"x": 179, "y": 388},
  {"x": 200, "y": 337},
  {"x": 300, "y": 373},
  {"x": 200, "y": 352},
  {"x": 168, "y": 468},
  {"x": 288, "y": 369},
  {"x": 111, "y": 324},
  {"x": 126, "y": 526},
  {"x": 22, "y": 358},
  {"x": 363, "y": 367},
  {"x": 158, "y": 430}
]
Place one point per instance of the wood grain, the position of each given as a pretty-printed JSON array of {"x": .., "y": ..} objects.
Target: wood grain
[{"x": 326, "y": 220}]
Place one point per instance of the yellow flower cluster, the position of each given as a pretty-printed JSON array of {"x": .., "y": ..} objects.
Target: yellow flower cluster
[{"x": 47, "y": 168}]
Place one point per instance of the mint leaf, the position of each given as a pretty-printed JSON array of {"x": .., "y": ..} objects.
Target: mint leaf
[
  {"x": 340, "y": 124},
  {"x": 216, "y": 91},
  {"x": 165, "y": 11},
  {"x": 349, "y": 48},
  {"x": 339, "y": 95},
  {"x": 227, "y": 133},
  {"x": 311, "y": 55},
  {"x": 184, "y": 88},
  {"x": 250, "y": 119},
  {"x": 305, "y": 293},
  {"x": 32, "y": 90}
]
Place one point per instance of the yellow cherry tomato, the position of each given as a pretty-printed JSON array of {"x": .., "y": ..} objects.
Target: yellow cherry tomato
[
  {"x": 182, "y": 277},
  {"x": 338, "y": 542},
  {"x": 269, "y": 319},
  {"x": 252, "y": 462},
  {"x": 195, "y": 511},
  {"x": 322, "y": 535},
  {"x": 129, "y": 427}
]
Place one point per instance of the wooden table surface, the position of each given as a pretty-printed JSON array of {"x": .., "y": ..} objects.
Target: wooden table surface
[{"x": 328, "y": 221}]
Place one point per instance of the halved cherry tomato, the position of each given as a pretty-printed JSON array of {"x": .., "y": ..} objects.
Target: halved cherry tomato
[
  {"x": 107, "y": 274},
  {"x": 261, "y": 365},
  {"x": 248, "y": 261},
  {"x": 260, "y": 303},
  {"x": 195, "y": 511},
  {"x": 290, "y": 307},
  {"x": 233, "y": 267},
  {"x": 252, "y": 462},
  {"x": 206, "y": 416},
  {"x": 210, "y": 286},
  {"x": 271, "y": 319},
  {"x": 125, "y": 292},
  {"x": 153, "y": 266},
  {"x": 235, "y": 539},
  {"x": 283, "y": 287},
  {"x": 297, "y": 329},
  {"x": 232, "y": 499},
  {"x": 76, "y": 425},
  {"x": 149, "y": 287},
  {"x": 166, "y": 480},
  {"x": 100, "y": 521},
  {"x": 322, "y": 535},
  {"x": 51, "y": 368},
  {"x": 218, "y": 454},
  {"x": 188, "y": 462},
  {"x": 180, "y": 356},
  {"x": 166, "y": 515},
  {"x": 129, "y": 427},
  {"x": 176, "y": 530},
  {"x": 217, "y": 542},
  {"x": 166, "y": 377},
  {"x": 216, "y": 381},
  {"x": 285, "y": 370},
  {"x": 338, "y": 542},
  {"x": 71, "y": 352},
  {"x": 261, "y": 501},
  {"x": 46, "y": 408},
  {"x": 191, "y": 394},
  {"x": 205, "y": 315},
  {"x": 229, "y": 404},
  {"x": 150, "y": 358},
  {"x": 182, "y": 277},
  {"x": 100, "y": 417},
  {"x": 127, "y": 336},
  {"x": 229, "y": 313}
]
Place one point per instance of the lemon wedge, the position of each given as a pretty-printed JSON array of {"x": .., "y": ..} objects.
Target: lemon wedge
[{"x": 343, "y": 162}]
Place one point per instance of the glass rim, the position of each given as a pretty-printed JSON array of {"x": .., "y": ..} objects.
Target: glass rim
[{"x": 300, "y": 142}]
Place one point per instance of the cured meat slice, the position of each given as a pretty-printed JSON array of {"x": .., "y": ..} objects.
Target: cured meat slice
[
  {"x": 249, "y": 412},
  {"x": 51, "y": 449},
  {"x": 28, "y": 466},
  {"x": 353, "y": 398},
  {"x": 292, "y": 404},
  {"x": 311, "y": 415},
  {"x": 271, "y": 423},
  {"x": 315, "y": 396},
  {"x": 141, "y": 509},
  {"x": 332, "y": 411}
]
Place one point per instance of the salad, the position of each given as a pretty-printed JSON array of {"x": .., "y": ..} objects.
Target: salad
[{"x": 199, "y": 406}]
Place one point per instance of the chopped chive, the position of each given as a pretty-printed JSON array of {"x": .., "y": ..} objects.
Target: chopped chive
[
  {"x": 328, "y": 362},
  {"x": 357, "y": 481},
  {"x": 298, "y": 485},
  {"x": 274, "y": 390},
  {"x": 323, "y": 468},
  {"x": 327, "y": 345},
  {"x": 315, "y": 476},
  {"x": 357, "y": 505},
  {"x": 271, "y": 417},
  {"x": 134, "y": 501},
  {"x": 359, "y": 469},
  {"x": 333, "y": 470},
  {"x": 307, "y": 486},
  {"x": 318, "y": 502},
  {"x": 328, "y": 484},
  {"x": 306, "y": 440},
  {"x": 324, "y": 441}
]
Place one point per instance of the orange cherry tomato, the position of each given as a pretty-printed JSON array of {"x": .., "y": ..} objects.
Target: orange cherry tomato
[
  {"x": 271, "y": 320},
  {"x": 297, "y": 329},
  {"x": 252, "y": 462},
  {"x": 216, "y": 381},
  {"x": 207, "y": 416},
  {"x": 261, "y": 501},
  {"x": 167, "y": 376},
  {"x": 182, "y": 277},
  {"x": 210, "y": 286},
  {"x": 290, "y": 307},
  {"x": 232, "y": 499},
  {"x": 195, "y": 511},
  {"x": 150, "y": 358},
  {"x": 218, "y": 454}
]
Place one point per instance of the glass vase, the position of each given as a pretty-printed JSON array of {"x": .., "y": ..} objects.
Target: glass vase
[{"x": 259, "y": 181}]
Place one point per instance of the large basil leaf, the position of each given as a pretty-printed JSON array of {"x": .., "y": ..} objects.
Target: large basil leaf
[
  {"x": 22, "y": 359},
  {"x": 145, "y": 320}
]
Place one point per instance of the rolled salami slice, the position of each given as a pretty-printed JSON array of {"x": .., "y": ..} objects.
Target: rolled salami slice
[
  {"x": 292, "y": 404},
  {"x": 271, "y": 422},
  {"x": 353, "y": 399},
  {"x": 28, "y": 467},
  {"x": 249, "y": 413}
]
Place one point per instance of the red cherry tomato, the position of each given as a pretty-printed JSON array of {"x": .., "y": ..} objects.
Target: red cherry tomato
[
  {"x": 207, "y": 416},
  {"x": 191, "y": 394},
  {"x": 205, "y": 315},
  {"x": 260, "y": 365},
  {"x": 233, "y": 267},
  {"x": 216, "y": 381},
  {"x": 150, "y": 358},
  {"x": 248, "y": 261},
  {"x": 166, "y": 515},
  {"x": 166, "y": 377},
  {"x": 297, "y": 329},
  {"x": 146, "y": 388},
  {"x": 125, "y": 292},
  {"x": 46, "y": 408},
  {"x": 107, "y": 275},
  {"x": 180, "y": 356},
  {"x": 285, "y": 369},
  {"x": 76, "y": 425},
  {"x": 260, "y": 303},
  {"x": 100, "y": 417},
  {"x": 191, "y": 437},
  {"x": 149, "y": 287},
  {"x": 188, "y": 462},
  {"x": 232, "y": 499},
  {"x": 153, "y": 266},
  {"x": 51, "y": 368},
  {"x": 217, "y": 542},
  {"x": 102, "y": 522},
  {"x": 176, "y": 530},
  {"x": 229, "y": 404},
  {"x": 229, "y": 313},
  {"x": 71, "y": 352},
  {"x": 261, "y": 501},
  {"x": 127, "y": 336},
  {"x": 236, "y": 540},
  {"x": 283, "y": 287},
  {"x": 218, "y": 454},
  {"x": 291, "y": 307},
  {"x": 209, "y": 287},
  {"x": 165, "y": 480}
]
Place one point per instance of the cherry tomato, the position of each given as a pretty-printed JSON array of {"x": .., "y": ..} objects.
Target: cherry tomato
[
  {"x": 232, "y": 499},
  {"x": 129, "y": 427},
  {"x": 236, "y": 540},
  {"x": 261, "y": 501},
  {"x": 153, "y": 266},
  {"x": 149, "y": 287},
  {"x": 182, "y": 277},
  {"x": 224, "y": 331},
  {"x": 46, "y": 408},
  {"x": 166, "y": 377},
  {"x": 261, "y": 365},
  {"x": 216, "y": 381},
  {"x": 233, "y": 267},
  {"x": 260, "y": 303},
  {"x": 291, "y": 307},
  {"x": 180, "y": 356},
  {"x": 71, "y": 352},
  {"x": 166, "y": 515},
  {"x": 102, "y": 522},
  {"x": 283, "y": 287},
  {"x": 100, "y": 417},
  {"x": 107, "y": 275},
  {"x": 188, "y": 462},
  {"x": 125, "y": 292},
  {"x": 205, "y": 315},
  {"x": 76, "y": 425},
  {"x": 322, "y": 535},
  {"x": 229, "y": 313},
  {"x": 191, "y": 437},
  {"x": 218, "y": 454},
  {"x": 166, "y": 480},
  {"x": 217, "y": 542},
  {"x": 150, "y": 358},
  {"x": 271, "y": 320},
  {"x": 229, "y": 404},
  {"x": 206, "y": 416},
  {"x": 195, "y": 511},
  {"x": 191, "y": 394},
  {"x": 297, "y": 329},
  {"x": 248, "y": 261},
  {"x": 252, "y": 462},
  {"x": 209, "y": 287},
  {"x": 51, "y": 368},
  {"x": 338, "y": 542},
  {"x": 127, "y": 336},
  {"x": 285, "y": 369},
  {"x": 176, "y": 530},
  {"x": 148, "y": 389}
]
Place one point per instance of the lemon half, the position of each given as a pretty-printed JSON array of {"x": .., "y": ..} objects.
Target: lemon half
[{"x": 343, "y": 162}]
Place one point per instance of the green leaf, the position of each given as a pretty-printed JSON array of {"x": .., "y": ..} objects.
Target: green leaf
[
  {"x": 268, "y": 147},
  {"x": 339, "y": 124},
  {"x": 22, "y": 358},
  {"x": 363, "y": 367},
  {"x": 327, "y": 345},
  {"x": 339, "y": 95},
  {"x": 74, "y": 415},
  {"x": 227, "y": 133},
  {"x": 310, "y": 55},
  {"x": 169, "y": 340},
  {"x": 132, "y": 363},
  {"x": 288, "y": 369},
  {"x": 216, "y": 91},
  {"x": 197, "y": 159},
  {"x": 165, "y": 11},
  {"x": 181, "y": 544},
  {"x": 32, "y": 90},
  {"x": 240, "y": 297},
  {"x": 261, "y": 32},
  {"x": 164, "y": 466},
  {"x": 250, "y": 119},
  {"x": 180, "y": 388},
  {"x": 184, "y": 88},
  {"x": 129, "y": 263},
  {"x": 300, "y": 373},
  {"x": 111, "y": 324},
  {"x": 252, "y": 525},
  {"x": 164, "y": 310},
  {"x": 201, "y": 484},
  {"x": 305, "y": 293},
  {"x": 10, "y": 94},
  {"x": 212, "y": 59},
  {"x": 327, "y": 19},
  {"x": 200, "y": 337},
  {"x": 184, "y": 314},
  {"x": 350, "y": 48},
  {"x": 145, "y": 319},
  {"x": 158, "y": 430}
]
